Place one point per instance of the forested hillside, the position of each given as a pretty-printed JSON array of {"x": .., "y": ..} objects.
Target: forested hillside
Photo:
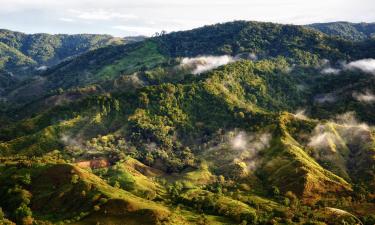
[
  {"x": 22, "y": 53},
  {"x": 234, "y": 123},
  {"x": 346, "y": 30}
]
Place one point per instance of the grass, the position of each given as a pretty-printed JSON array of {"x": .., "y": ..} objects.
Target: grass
[{"x": 147, "y": 55}]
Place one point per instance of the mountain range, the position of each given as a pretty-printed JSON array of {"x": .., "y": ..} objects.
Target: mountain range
[{"x": 236, "y": 123}]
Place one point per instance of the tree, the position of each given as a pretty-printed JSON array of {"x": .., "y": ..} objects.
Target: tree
[
  {"x": 275, "y": 191},
  {"x": 1, "y": 214},
  {"x": 23, "y": 215}
]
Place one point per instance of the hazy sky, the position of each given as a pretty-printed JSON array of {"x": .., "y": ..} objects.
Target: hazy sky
[{"x": 134, "y": 17}]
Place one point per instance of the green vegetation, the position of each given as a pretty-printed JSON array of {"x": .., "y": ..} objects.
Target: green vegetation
[
  {"x": 347, "y": 31},
  {"x": 125, "y": 133}
]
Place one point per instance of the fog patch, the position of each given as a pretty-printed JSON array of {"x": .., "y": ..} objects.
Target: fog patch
[
  {"x": 337, "y": 134},
  {"x": 239, "y": 148},
  {"x": 42, "y": 68},
  {"x": 301, "y": 114},
  {"x": 203, "y": 64},
  {"x": 366, "y": 97},
  {"x": 248, "y": 56},
  {"x": 239, "y": 142},
  {"x": 330, "y": 70},
  {"x": 364, "y": 65},
  {"x": 246, "y": 147},
  {"x": 326, "y": 68},
  {"x": 70, "y": 141},
  {"x": 325, "y": 98}
]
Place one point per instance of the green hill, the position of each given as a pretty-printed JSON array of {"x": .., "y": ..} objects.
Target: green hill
[
  {"x": 346, "y": 30},
  {"x": 37, "y": 51},
  {"x": 235, "y": 123}
]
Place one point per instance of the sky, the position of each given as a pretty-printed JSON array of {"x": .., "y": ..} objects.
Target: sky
[{"x": 145, "y": 17}]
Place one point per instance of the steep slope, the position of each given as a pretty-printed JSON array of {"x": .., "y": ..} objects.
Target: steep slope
[
  {"x": 68, "y": 193},
  {"x": 12, "y": 58}
]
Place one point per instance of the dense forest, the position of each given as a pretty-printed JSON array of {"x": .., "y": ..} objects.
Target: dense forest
[{"x": 234, "y": 123}]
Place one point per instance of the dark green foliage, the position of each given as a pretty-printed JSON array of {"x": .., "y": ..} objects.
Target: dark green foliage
[
  {"x": 346, "y": 30},
  {"x": 221, "y": 145},
  {"x": 36, "y": 50}
]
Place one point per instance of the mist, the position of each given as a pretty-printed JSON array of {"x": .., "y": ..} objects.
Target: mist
[
  {"x": 246, "y": 148},
  {"x": 330, "y": 70},
  {"x": 338, "y": 133},
  {"x": 366, "y": 97},
  {"x": 364, "y": 65},
  {"x": 203, "y": 64},
  {"x": 325, "y": 98},
  {"x": 301, "y": 114}
]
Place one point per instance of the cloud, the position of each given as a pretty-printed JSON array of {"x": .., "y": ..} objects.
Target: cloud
[
  {"x": 238, "y": 147},
  {"x": 325, "y": 98},
  {"x": 203, "y": 64},
  {"x": 246, "y": 147},
  {"x": 68, "y": 20},
  {"x": 239, "y": 142},
  {"x": 330, "y": 70},
  {"x": 42, "y": 68},
  {"x": 336, "y": 134},
  {"x": 138, "y": 30},
  {"x": 301, "y": 114},
  {"x": 366, "y": 97},
  {"x": 100, "y": 14},
  {"x": 364, "y": 65}
]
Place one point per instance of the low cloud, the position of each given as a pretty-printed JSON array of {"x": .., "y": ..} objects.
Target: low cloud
[
  {"x": 42, "y": 68},
  {"x": 239, "y": 142},
  {"x": 337, "y": 134},
  {"x": 325, "y": 98},
  {"x": 248, "y": 56},
  {"x": 326, "y": 68},
  {"x": 203, "y": 64},
  {"x": 364, "y": 65},
  {"x": 246, "y": 147},
  {"x": 301, "y": 114},
  {"x": 366, "y": 97},
  {"x": 70, "y": 141},
  {"x": 239, "y": 147},
  {"x": 330, "y": 70},
  {"x": 138, "y": 30}
]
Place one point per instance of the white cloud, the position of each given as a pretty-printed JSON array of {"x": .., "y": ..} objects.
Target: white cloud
[
  {"x": 344, "y": 129},
  {"x": 100, "y": 14},
  {"x": 140, "y": 30},
  {"x": 301, "y": 114},
  {"x": 366, "y": 97},
  {"x": 45, "y": 14},
  {"x": 330, "y": 70},
  {"x": 68, "y": 20},
  {"x": 365, "y": 65},
  {"x": 205, "y": 63}
]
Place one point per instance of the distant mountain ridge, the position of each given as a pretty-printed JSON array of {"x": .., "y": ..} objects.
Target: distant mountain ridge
[
  {"x": 346, "y": 30},
  {"x": 21, "y": 53}
]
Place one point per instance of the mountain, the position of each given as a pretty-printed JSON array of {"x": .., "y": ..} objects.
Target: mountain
[
  {"x": 346, "y": 30},
  {"x": 234, "y": 123},
  {"x": 22, "y": 53},
  {"x": 264, "y": 40}
]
